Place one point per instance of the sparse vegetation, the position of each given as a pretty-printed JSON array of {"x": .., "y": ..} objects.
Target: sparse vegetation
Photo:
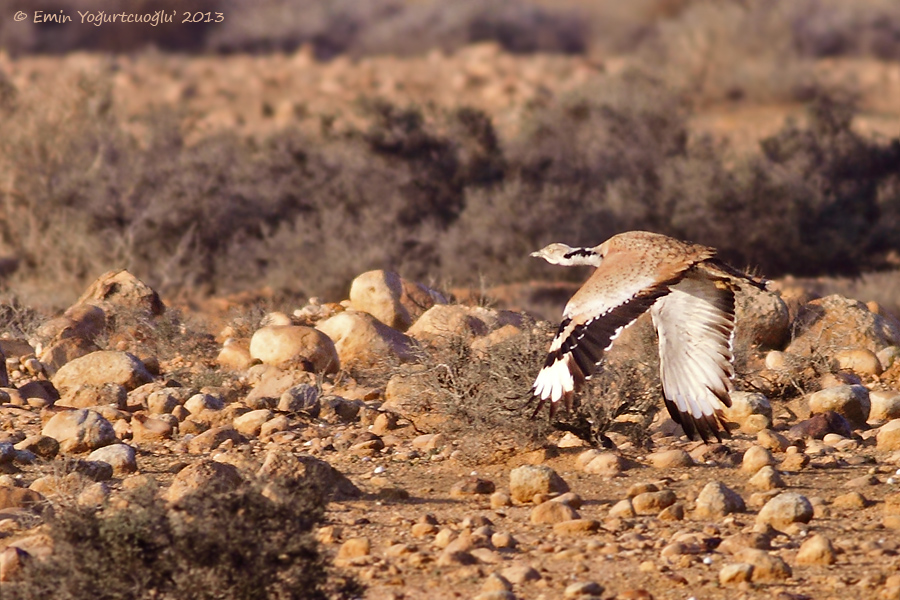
[
  {"x": 237, "y": 544},
  {"x": 17, "y": 319},
  {"x": 433, "y": 195},
  {"x": 487, "y": 400},
  {"x": 484, "y": 400},
  {"x": 244, "y": 167}
]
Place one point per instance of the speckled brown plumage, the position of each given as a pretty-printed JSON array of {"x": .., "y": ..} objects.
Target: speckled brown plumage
[{"x": 690, "y": 295}]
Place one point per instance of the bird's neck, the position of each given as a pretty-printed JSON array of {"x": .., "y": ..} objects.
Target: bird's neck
[{"x": 581, "y": 257}]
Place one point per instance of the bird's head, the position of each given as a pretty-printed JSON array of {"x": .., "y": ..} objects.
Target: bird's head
[{"x": 561, "y": 254}]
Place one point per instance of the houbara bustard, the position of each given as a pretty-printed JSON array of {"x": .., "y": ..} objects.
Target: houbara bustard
[{"x": 690, "y": 295}]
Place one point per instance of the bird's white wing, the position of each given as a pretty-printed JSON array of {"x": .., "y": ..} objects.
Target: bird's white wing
[
  {"x": 593, "y": 318},
  {"x": 695, "y": 323}
]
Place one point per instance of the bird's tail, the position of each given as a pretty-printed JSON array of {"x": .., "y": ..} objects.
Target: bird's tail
[{"x": 719, "y": 269}]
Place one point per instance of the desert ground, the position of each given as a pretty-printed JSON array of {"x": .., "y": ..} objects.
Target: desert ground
[{"x": 249, "y": 279}]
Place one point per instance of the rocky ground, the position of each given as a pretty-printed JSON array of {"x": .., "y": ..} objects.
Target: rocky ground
[{"x": 802, "y": 501}]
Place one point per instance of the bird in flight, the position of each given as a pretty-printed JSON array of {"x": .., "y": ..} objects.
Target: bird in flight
[{"x": 690, "y": 296}]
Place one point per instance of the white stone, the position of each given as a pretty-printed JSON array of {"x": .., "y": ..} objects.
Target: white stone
[
  {"x": 120, "y": 457},
  {"x": 79, "y": 430}
]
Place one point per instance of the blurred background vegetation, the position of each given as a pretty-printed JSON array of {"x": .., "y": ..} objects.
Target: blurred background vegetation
[{"x": 437, "y": 187}]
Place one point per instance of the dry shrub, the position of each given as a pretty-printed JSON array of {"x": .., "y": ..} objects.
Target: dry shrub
[
  {"x": 166, "y": 336},
  {"x": 234, "y": 544},
  {"x": 18, "y": 320},
  {"x": 819, "y": 199},
  {"x": 731, "y": 50},
  {"x": 584, "y": 168},
  {"x": 763, "y": 50},
  {"x": 516, "y": 25},
  {"x": 53, "y": 154},
  {"x": 485, "y": 395},
  {"x": 432, "y": 196},
  {"x": 834, "y": 28},
  {"x": 225, "y": 214},
  {"x": 488, "y": 400}
]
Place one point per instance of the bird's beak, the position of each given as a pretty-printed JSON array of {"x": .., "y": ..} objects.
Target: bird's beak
[{"x": 536, "y": 254}]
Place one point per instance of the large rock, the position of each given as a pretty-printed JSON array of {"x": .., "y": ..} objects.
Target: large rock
[
  {"x": 213, "y": 438},
  {"x": 43, "y": 446},
  {"x": 378, "y": 293},
  {"x": 751, "y": 411},
  {"x": 250, "y": 424},
  {"x": 784, "y": 509},
  {"x": 22, "y": 498},
  {"x": 602, "y": 463},
  {"x": 80, "y": 324},
  {"x": 15, "y": 348},
  {"x": 849, "y": 401},
  {"x": 120, "y": 291},
  {"x": 295, "y": 346},
  {"x": 652, "y": 502},
  {"x": 551, "y": 512},
  {"x": 235, "y": 355},
  {"x": 837, "y": 323},
  {"x": 885, "y": 405},
  {"x": 414, "y": 396},
  {"x": 86, "y": 396},
  {"x": 888, "y": 437},
  {"x": 817, "y": 550},
  {"x": 670, "y": 459},
  {"x": 270, "y": 383},
  {"x": 39, "y": 389},
  {"x": 361, "y": 340},
  {"x": 79, "y": 430},
  {"x": 59, "y": 352},
  {"x": 198, "y": 403},
  {"x": 861, "y": 361},
  {"x": 820, "y": 425},
  {"x": 308, "y": 470},
  {"x": 528, "y": 480},
  {"x": 717, "y": 500},
  {"x": 204, "y": 476},
  {"x": 766, "y": 567},
  {"x": 146, "y": 429},
  {"x": 887, "y": 357},
  {"x": 755, "y": 458},
  {"x": 508, "y": 334},
  {"x": 161, "y": 402},
  {"x": 101, "y": 367},
  {"x": 761, "y": 318},
  {"x": 120, "y": 457},
  {"x": 303, "y": 397},
  {"x": 443, "y": 323},
  {"x": 417, "y": 298}
]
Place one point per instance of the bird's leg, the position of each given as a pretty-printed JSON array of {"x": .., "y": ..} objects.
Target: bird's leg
[{"x": 540, "y": 405}]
